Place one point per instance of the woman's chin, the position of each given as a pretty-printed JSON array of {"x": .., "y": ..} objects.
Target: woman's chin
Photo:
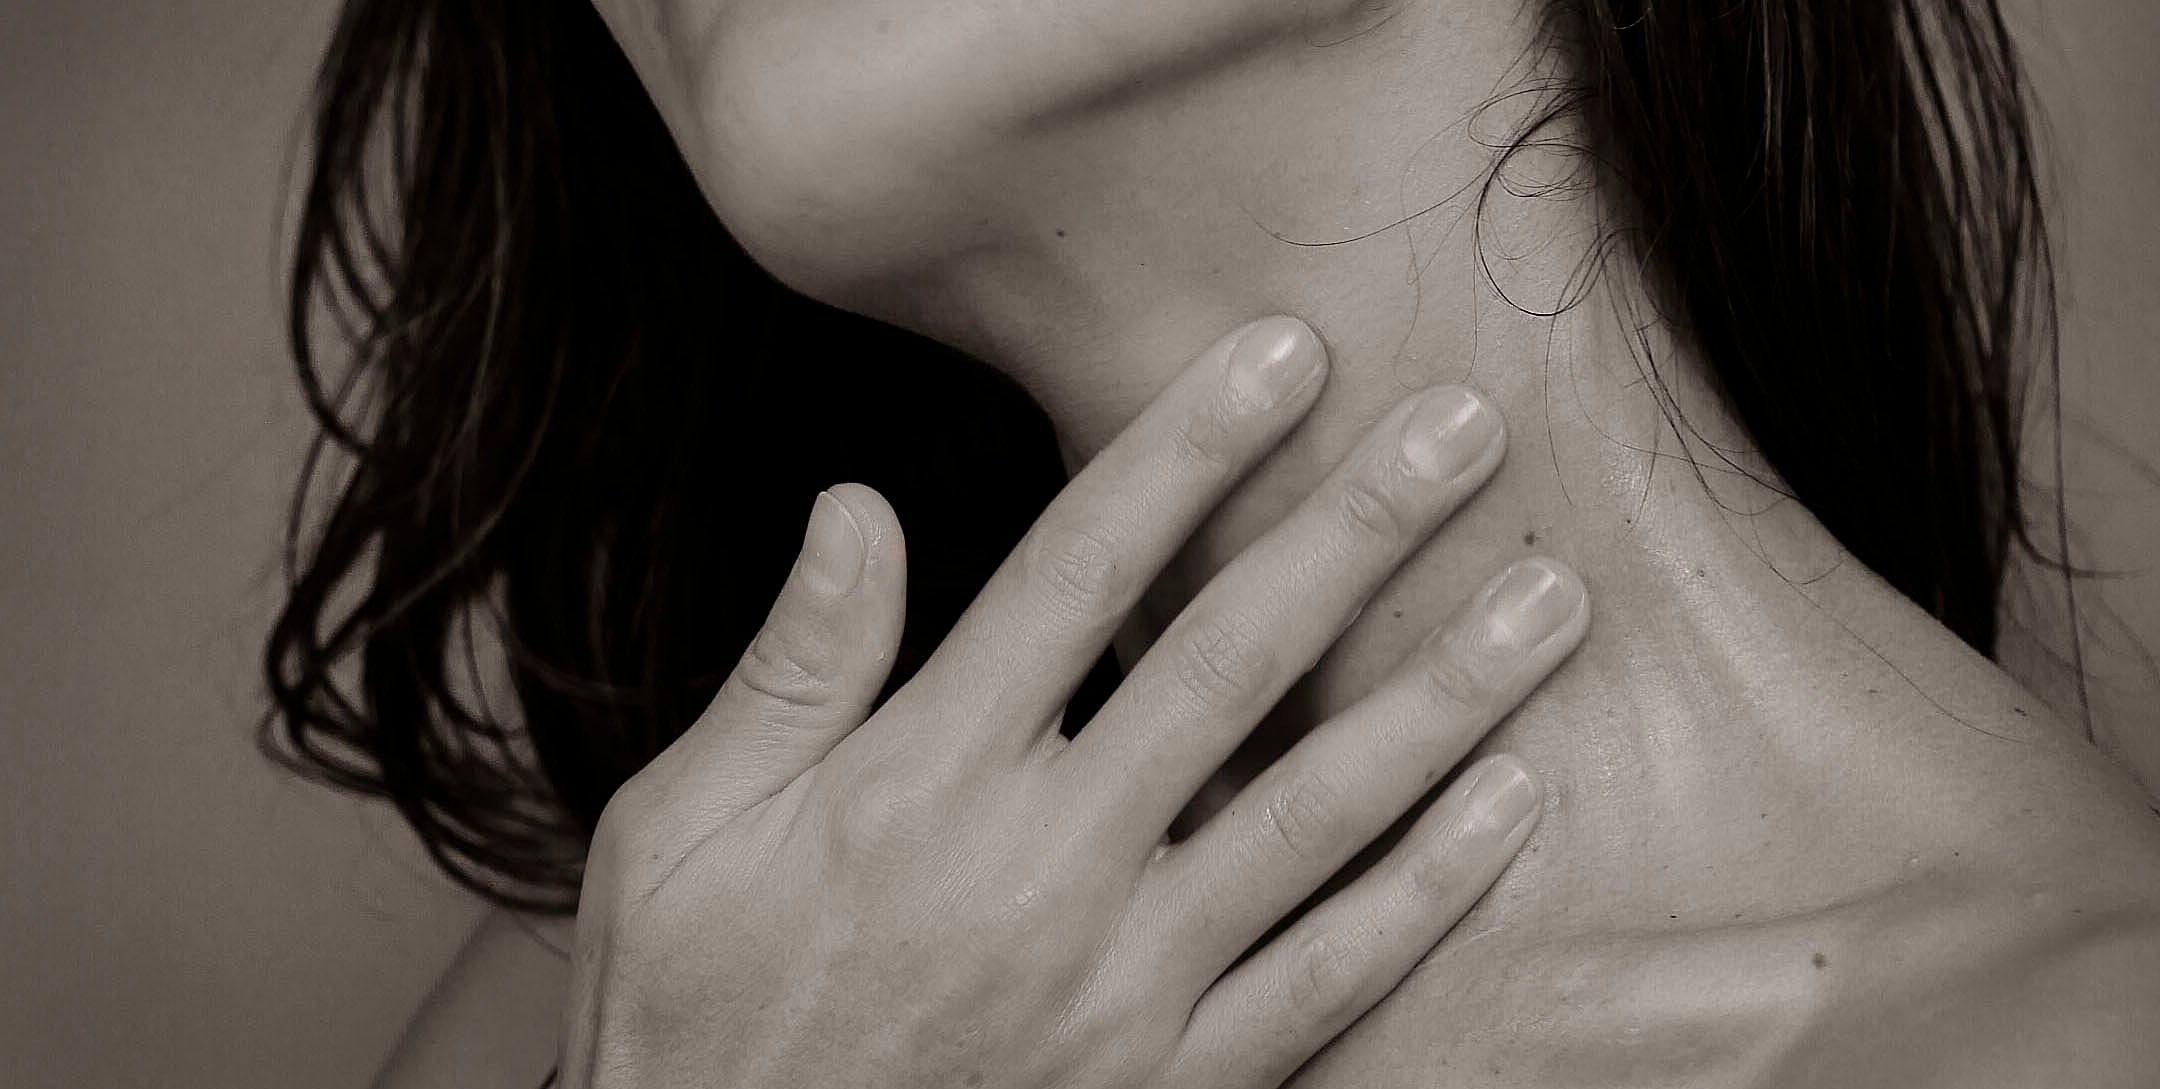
[{"x": 839, "y": 176}]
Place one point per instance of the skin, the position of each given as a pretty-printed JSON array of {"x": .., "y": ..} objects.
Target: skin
[
  {"x": 1794, "y": 831},
  {"x": 935, "y": 846},
  {"x": 944, "y": 890},
  {"x": 1781, "y": 795}
]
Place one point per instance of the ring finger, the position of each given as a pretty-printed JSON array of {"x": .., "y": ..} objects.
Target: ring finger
[
  {"x": 1301, "y": 820},
  {"x": 1263, "y": 622},
  {"x": 1050, "y": 609}
]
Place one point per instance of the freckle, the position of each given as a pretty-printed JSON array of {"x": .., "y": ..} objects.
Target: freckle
[
  {"x": 1398, "y": 614},
  {"x": 1819, "y": 961},
  {"x": 1061, "y": 232},
  {"x": 1530, "y": 538}
]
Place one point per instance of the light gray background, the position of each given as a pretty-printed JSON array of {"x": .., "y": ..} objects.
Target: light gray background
[{"x": 172, "y": 912}]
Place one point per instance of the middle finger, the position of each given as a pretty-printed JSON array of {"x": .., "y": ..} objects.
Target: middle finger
[{"x": 1267, "y": 617}]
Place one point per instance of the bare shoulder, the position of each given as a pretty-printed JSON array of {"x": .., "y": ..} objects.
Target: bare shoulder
[
  {"x": 1947, "y": 981},
  {"x": 2010, "y": 985},
  {"x": 491, "y": 1020}
]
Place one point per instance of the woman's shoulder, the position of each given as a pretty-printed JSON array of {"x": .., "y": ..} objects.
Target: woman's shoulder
[
  {"x": 491, "y": 1021},
  {"x": 1962, "y": 979},
  {"x": 2047, "y": 977}
]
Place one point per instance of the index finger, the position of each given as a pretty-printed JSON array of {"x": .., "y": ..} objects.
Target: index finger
[{"x": 1051, "y": 608}]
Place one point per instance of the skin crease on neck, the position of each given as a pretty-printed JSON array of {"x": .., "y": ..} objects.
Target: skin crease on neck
[{"x": 1796, "y": 831}]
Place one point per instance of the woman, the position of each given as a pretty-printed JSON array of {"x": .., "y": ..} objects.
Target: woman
[{"x": 1750, "y": 282}]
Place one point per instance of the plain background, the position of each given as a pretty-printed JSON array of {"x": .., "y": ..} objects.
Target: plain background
[{"x": 173, "y": 912}]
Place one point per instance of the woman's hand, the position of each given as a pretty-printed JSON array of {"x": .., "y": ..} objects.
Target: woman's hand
[{"x": 801, "y": 892}]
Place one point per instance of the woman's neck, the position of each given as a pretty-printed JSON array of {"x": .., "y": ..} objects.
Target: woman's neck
[
  {"x": 1739, "y": 660},
  {"x": 1738, "y": 655}
]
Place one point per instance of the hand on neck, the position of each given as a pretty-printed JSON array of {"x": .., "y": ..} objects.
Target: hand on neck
[
  {"x": 1741, "y": 665},
  {"x": 1737, "y": 652}
]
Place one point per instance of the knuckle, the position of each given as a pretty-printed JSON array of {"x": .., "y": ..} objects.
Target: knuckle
[
  {"x": 620, "y": 821},
  {"x": 628, "y": 840},
  {"x": 1324, "y": 977},
  {"x": 1431, "y": 874},
  {"x": 1222, "y": 658},
  {"x": 1022, "y": 908},
  {"x": 1367, "y": 509},
  {"x": 1072, "y": 572},
  {"x": 798, "y": 666},
  {"x": 885, "y": 819},
  {"x": 1450, "y": 682},
  {"x": 1303, "y": 814},
  {"x": 1208, "y": 438},
  {"x": 1028, "y": 899},
  {"x": 1106, "y": 1021}
]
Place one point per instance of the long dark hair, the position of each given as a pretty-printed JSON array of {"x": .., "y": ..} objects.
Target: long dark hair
[{"x": 564, "y": 406}]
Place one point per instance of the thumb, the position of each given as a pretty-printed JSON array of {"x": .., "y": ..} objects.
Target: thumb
[{"x": 812, "y": 673}]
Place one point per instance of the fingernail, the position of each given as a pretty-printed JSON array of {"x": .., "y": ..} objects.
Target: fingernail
[
  {"x": 1504, "y": 795},
  {"x": 1533, "y": 600},
  {"x": 1449, "y": 431},
  {"x": 833, "y": 549},
  {"x": 1274, "y": 359}
]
